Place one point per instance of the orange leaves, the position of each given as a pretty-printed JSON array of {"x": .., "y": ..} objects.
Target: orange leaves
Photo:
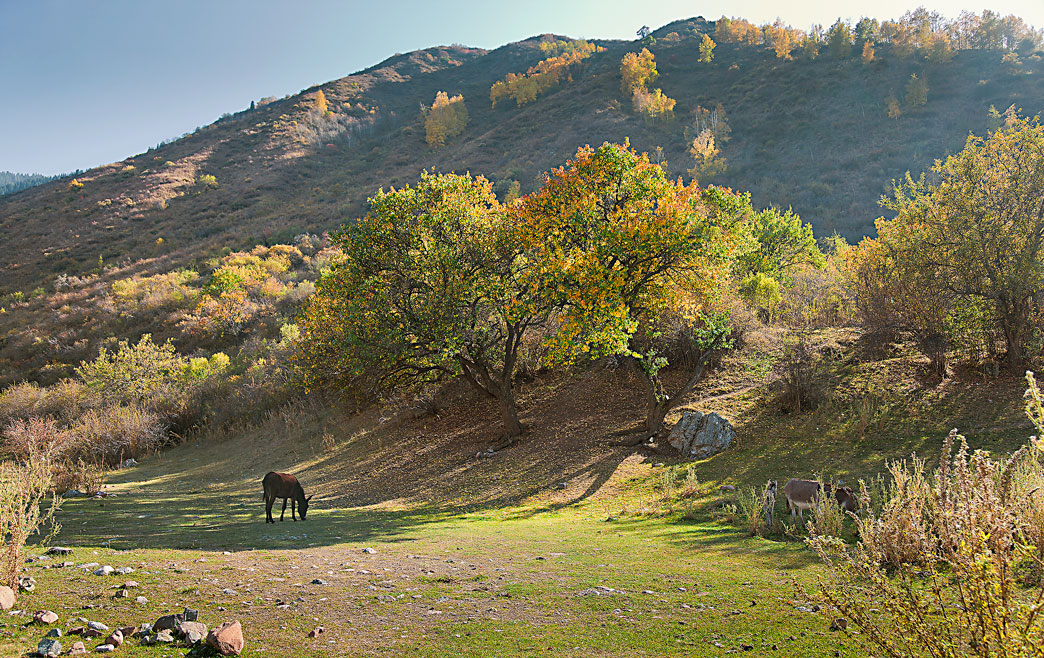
[{"x": 544, "y": 75}]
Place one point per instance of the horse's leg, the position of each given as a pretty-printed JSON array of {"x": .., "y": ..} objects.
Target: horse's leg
[
  {"x": 293, "y": 509},
  {"x": 268, "y": 509},
  {"x": 281, "y": 514}
]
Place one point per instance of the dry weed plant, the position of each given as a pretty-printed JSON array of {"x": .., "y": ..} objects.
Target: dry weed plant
[
  {"x": 26, "y": 506},
  {"x": 951, "y": 564}
]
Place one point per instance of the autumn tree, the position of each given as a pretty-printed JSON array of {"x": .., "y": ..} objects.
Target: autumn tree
[
  {"x": 707, "y": 159},
  {"x": 654, "y": 104},
  {"x": 446, "y": 118},
  {"x": 977, "y": 226},
  {"x": 618, "y": 244},
  {"x": 916, "y": 90},
  {"x": 430, "y": 284},
  {"x": 637, "y": 71},
  {"x": 545, "y": 75},
  {"x": 321, "y": 104},
  {"x": 707, "y": 46},
  {"x": 868, "y": 52},
  {"x": 892, "y": 105},
  {"x": 780, "y": 242},
  {"x": 839, "y": 39}
]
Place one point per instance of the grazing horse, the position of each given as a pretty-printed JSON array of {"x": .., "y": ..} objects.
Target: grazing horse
[
  {"x": 284, "y": 485},
  {"x": 802, "y": 495}
]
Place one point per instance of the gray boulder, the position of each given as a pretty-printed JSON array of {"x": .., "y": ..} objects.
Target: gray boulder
[
  {"x": 698, "y": 435},
  {"x": 49, "y": 647}
]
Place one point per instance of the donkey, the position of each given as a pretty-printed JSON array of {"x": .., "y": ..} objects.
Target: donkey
[
  {"x": 802, "y": 495},
  {"x": 769, "y": 502},
  {"x": 284, "y": 485},
  {"x": 847, "y": 499}
]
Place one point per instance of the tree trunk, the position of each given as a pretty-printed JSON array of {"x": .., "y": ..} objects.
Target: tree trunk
[
  {"x": 655, "y": 417},
  {"x": 509, "y": 414}
]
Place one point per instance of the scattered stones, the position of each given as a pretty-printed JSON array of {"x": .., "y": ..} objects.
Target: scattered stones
[
  {"x": 123, "y": 571},
  {"x": 104, "y": 571},
  {"x": 7, "y": 597},
  {"x": 48, "y": 647},
  {"x": 316, "y": 632},
  {"x": 45, "y": 617},
  {"x": 370, "y": 551},
  {"x": 143, "y": 630},
  {"x": 77, "y": 649},
  {"x": 725, "y": 488},
  {"x": 227, "y": 639},
  {"x": 104, "y": 648},
  {"x": 59, "y": 550}
]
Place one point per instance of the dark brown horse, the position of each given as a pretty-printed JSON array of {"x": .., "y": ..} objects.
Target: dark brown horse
[{"x": 284, "y": 485}]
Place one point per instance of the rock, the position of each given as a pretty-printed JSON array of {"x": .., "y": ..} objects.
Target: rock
[
  {"x": 316, "y": 632},
  {"x": 77, "y": 649},
  {"x": 141, "y": 600},
  {"x": 104, "y": 648},
  {"x": 226, "y": 639},
  {"x": 123, "y": 571},
  {"x": 191, "y": 632},
  {"x": 727, "y": 487},
  {"x": 128, "y": 463},
  {"x": 319, "y": 581},
  {"x": 45, "y": 617},
  {"x": 560, "y": 485},
  {"x": 26, "y": 583},
  {"x": 698, "y": 435},
  {"x": 370, "y": 551},
  {"x": 130, "y": 584},
  {"x": 73, "y": 493},
  {"x": 167, "y": 622},
  {"x": 90, "y": 632},
  {"x": 121, "y": 594},
  {"x": 165, "y": 636},
  {"x": 103, "y": 571},
  {"x": 97, "y": 626},
  {"x": 228, "y": 592},
  {"x": 7, "y": 597},
  {"x": 128, "y": 631},
  {"x": 54, "y": 632},
  {"x": 48, "y": 647},
  {"x": 115, "y": 639},
  {"x": 839, "y": 624},
  {"x": 59, "y": 550},
  {"x": 190, "y": 614},
  {"x": 143, "y": 630},
  {"x": 89, "y": 565}
]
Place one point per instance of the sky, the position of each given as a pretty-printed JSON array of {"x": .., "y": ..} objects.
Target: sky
[{"x": 86, "y": 83}]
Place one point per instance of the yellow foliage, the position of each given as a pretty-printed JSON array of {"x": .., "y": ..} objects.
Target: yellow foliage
[
  {"x": 446, "y": 118},
  {"x": 637, "y": 71}
]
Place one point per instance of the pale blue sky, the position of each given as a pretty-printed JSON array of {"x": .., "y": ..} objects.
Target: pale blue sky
[{"x": 89, "y": 82}]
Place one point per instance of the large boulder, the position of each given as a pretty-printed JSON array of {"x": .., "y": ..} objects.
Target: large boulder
[
  {"x": 698, "y": 435},
  {"x": 227, "y": 639}
]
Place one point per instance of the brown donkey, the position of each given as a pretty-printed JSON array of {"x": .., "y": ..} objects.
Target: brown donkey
[{"x": 284, "y": 485}]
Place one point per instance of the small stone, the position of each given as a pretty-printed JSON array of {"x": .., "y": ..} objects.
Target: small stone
[
  {"x": 121, "y": 594},
  {"x": 727, "y": 487},
  {"x": 227, "y": 639},
  {"x": 77, "y": 649},
  {"x": 141, "y": 600},
  {"x": 192, "y": 632},
  {"x": 103, "y": 571},
  {"x": 54, "y": 632},
  {"x": 228, "y": 592},
  {"x": 115, "y": 639},
  {"x": 165, "y": 636},
  {"x": 104, "y": 648},
  {"x": 190, "y": 614},
  {"x": 658, "y": 465},
  {"x": 316, "y": 632},
  {"x": 143, "y": 630},
  {"x": 123, "y": 571},
  {"x": 45, "y": 617},
  {"x": 73, "y": 493},
  {"x": 128, "y": 631},
  {"x": 97, "y": 626},
  {"x": 26, "y": 583},
  {"x": 370, "y": 551},
  {"x": 48, "y": 647},
  {"x": 7, "y": 597},
  {"x": 319, "y": 581},
  {"x": 89, "y": 565},
  {"x": 130, "y": 584},
  {"x": 128, "y": 463},
  {"x": 839, "y": 624},
  {"x": 560, "y": 485}
]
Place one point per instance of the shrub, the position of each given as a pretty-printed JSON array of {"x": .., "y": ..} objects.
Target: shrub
[
  {"x": 112, "y": 434},
  {"x": 936, "y": 572},
  {"x": 25, "y": 507},
  {"x": 34, "y": 436},
  {"x": 132, "y": 373}
]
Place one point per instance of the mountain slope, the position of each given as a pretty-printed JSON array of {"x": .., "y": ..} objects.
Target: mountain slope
[{"x": 814, "y": 135}]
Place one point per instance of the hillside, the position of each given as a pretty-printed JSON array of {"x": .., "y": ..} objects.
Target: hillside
[{"x": 814, "y": 135}]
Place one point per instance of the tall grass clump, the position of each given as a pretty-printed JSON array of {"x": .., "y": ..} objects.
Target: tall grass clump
[{"x": 951, "y": 565}]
